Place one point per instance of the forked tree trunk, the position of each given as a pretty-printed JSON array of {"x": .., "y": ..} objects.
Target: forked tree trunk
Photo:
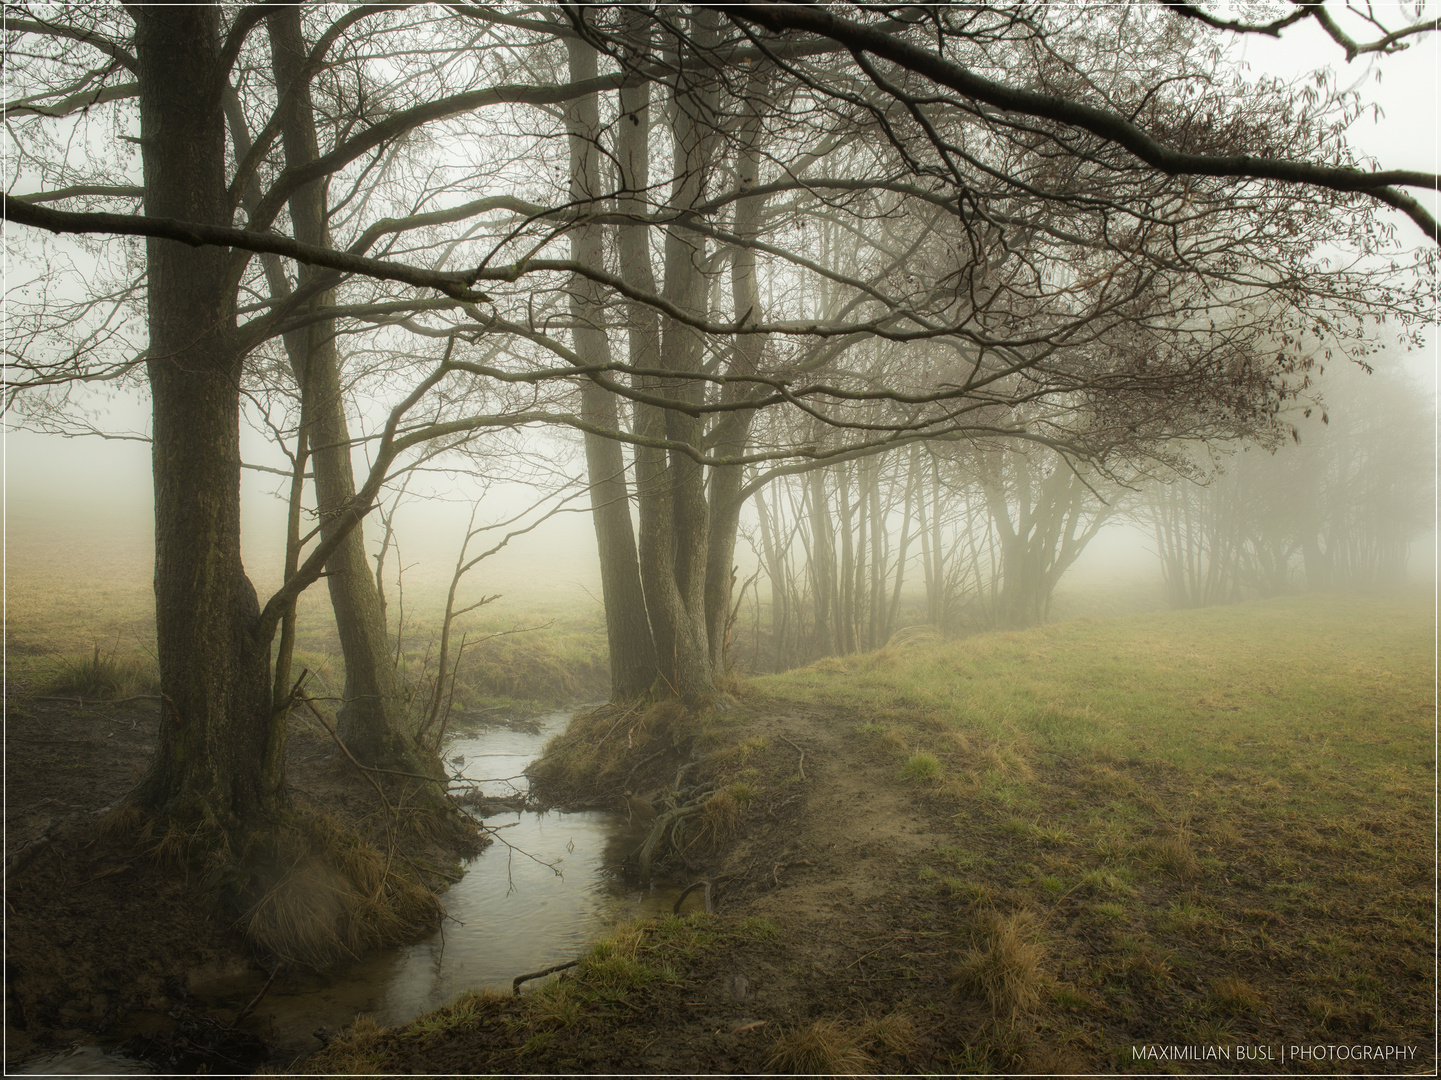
[
  {"x": 653, "y": 541},
  {"x": 214, "y": 667},
  {"x": 372, "y": 715},
  {"x": 674, "y": 515}
]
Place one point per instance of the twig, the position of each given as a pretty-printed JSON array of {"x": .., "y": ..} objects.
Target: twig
[
  {"x": 256, "y": 999},
  {"x": 802, "y": 766},
  {"x": 346, "y": 750},
  {"x": 625, "y": 784},
  {"x": 427, "y": 870},
  {"x": 515, "y": 983}
]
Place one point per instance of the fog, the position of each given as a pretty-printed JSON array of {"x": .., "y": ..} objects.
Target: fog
[{"x": 83, "y": 506}]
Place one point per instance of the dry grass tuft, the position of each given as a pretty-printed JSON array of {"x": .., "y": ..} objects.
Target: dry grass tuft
[
  {"x": 1175, "y": 855},
  {"x": 312, "y": 897},
  {"x": 100, "y": 676},
  {"x": 894, "y": 1031},
  {"x": 825, "y": 1047},
  {"x": 353, "y": 1052},
  {"x": 720, "y": 817},
  {"x": 1009, "y": 762},
  {"x": 1236, "y": 996},
  {"x": 1005, "y": 971},
  {"x": 123, "y": 825}
]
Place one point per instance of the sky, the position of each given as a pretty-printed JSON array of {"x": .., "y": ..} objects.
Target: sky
[{"x": 59, "y": 491}]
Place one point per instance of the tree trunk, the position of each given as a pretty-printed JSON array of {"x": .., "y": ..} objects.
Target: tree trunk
[
  {"x": 653, "y": 542},
  {"x": 732, "y": 431},
  {"x": 822, "y": 565},
  {"x": 372, "y": 715},
  {"x": 674, "y": 514},
  {"x": 780, "y": 607},
  {"x": 632, "y": 651},
  {"x": 214, "y": 668}
]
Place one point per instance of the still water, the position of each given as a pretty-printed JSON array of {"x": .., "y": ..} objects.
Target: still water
[{"x": 549, "y": 885}]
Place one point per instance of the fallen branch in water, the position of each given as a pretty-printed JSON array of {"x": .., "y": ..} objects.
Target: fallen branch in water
[
  {"x": 256, "y": 999},
  {"x": 709, "y": 905},
  {"x": 515, "y": 983}
]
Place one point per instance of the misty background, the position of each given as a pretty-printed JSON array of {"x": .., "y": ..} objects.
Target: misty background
[{"x": 80, "y": 510}]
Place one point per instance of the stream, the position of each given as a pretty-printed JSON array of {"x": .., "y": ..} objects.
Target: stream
[{"x": 517, "y": 909}]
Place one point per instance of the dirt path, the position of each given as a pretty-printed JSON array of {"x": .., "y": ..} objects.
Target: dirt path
[
  {"x": 859, "y": 834},
  {"x": 821, "y": 918}
]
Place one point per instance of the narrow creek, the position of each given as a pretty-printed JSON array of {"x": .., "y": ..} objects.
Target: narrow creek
[{"x": 547, "y": 886}]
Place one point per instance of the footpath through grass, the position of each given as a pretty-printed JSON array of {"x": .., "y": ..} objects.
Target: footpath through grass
[
  {"x": 1195, "y": 842},
  {"x": 1217, "y": 825}
]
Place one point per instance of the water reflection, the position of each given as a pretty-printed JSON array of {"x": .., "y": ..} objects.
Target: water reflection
[{"x": 548, "y": 886}]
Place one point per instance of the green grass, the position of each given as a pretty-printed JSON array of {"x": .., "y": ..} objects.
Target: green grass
[
  {"x": 1301, "y": 691},
  {"x": 921, "y": 768},
  {"x": 1224, "y": 815}
]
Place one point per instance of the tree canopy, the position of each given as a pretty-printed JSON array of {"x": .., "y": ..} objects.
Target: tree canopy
[{"x": 727, "y": 243}]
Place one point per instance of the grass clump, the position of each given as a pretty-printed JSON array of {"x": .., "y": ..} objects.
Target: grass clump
[
  {"x": 312, "y": 896},
  {"x": 100, "y": 676},
  {"x": 1235, "y": 996},
  {"x": 894, "y": 1032},
  {"x": 596, "y": 754},
  {"x": 719, "y": 818},
  {"x": 760, "y": 928},
  {"x": 921, "y": 768},
  {"x": 613, "y": 964},
  {"x": 1005, "y": 970},
  {"x": 355, "y": 1051},
  {"x": 824, "y": 1047},
  {"x": 742, "y": 792},
  {"x": 1175, "y": 855}
]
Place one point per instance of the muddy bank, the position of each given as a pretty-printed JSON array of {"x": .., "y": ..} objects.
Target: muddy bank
[
  {"x": 871, "y": 917},
  {"x": 108, "y": 945}
]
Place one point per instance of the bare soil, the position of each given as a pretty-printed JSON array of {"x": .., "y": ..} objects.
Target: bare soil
[
  {"x": 826, "y": 913},
  {"x": 105, "y": 944},
  {"x": 838, "y": 901}
]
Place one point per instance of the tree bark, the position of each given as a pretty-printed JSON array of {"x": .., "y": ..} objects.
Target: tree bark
[
  {"x": 214, "y": 667},
  {"x": 732, "y": 431},
  {"x": 371, "y": 719},
  {"x": 653, "y": 497},
  {"x": 632, "y": 650}
]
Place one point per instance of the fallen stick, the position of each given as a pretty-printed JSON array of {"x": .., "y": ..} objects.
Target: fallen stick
[
  {"x": 801, "y": 767},
  {"x": 515, "y": 983},
  {"x": 709, "y": 906},
  {"x": 256, "y": 999}
]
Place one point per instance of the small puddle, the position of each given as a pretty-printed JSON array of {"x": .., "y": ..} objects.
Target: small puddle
[{"x": 517, "y": 909}]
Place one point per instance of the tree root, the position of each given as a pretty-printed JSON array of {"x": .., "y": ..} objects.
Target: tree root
[
  {"x": 663, "y": 823},
  {"x": 801, "y": 767}
]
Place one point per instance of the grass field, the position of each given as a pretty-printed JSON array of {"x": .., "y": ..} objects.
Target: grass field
[{"x": 1214, "y": 825}]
